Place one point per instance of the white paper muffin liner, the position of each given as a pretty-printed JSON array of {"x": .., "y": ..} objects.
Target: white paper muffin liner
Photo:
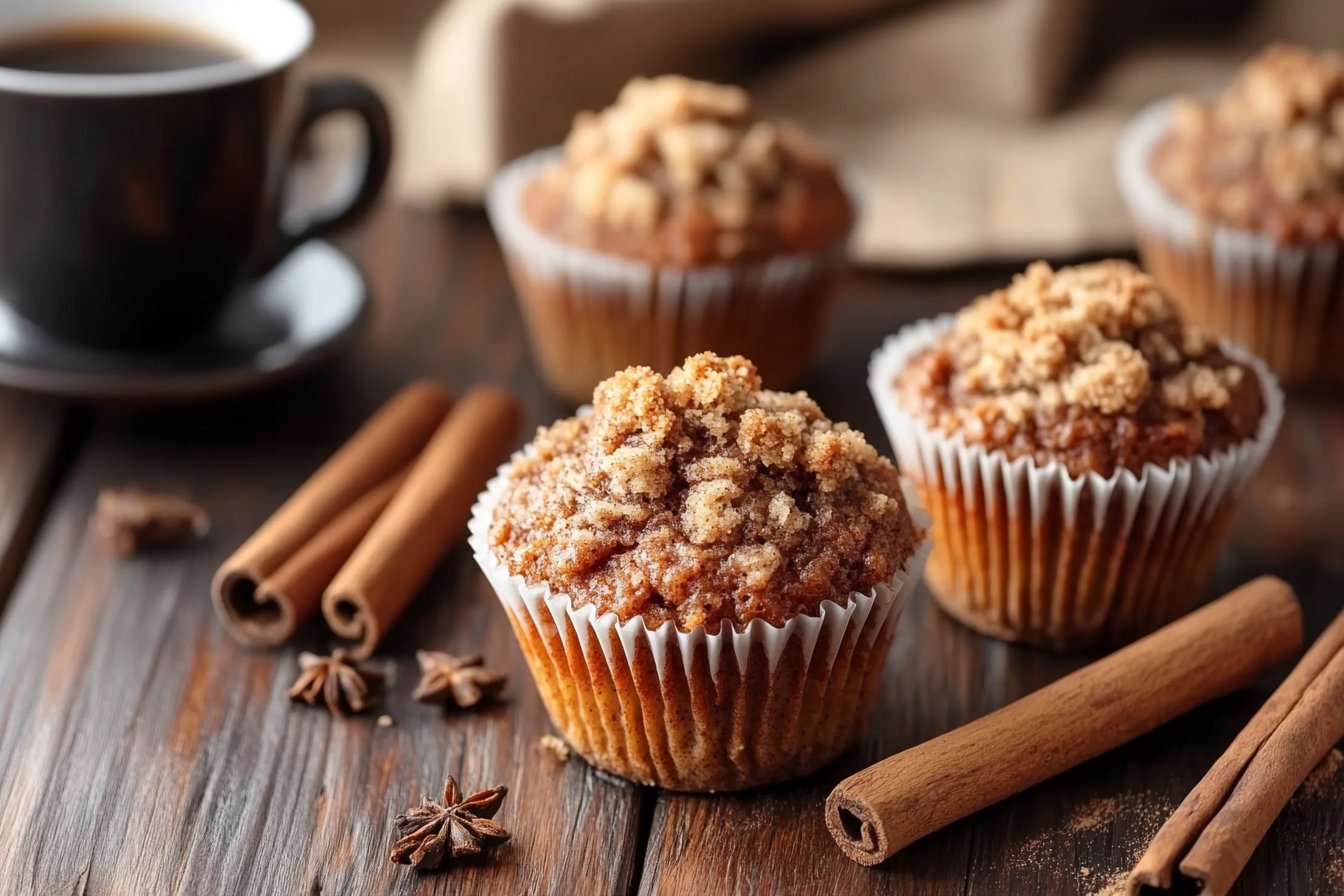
[
  {"x": 590, "y": 314},
  {"x": 1285, "y": 303},
  {"x": 695, "y": 711},
  {"x": 1028, "y": 552}
]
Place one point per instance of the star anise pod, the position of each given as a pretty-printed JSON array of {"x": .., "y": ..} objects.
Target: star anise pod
[
  {"x": 462, "y": 681},
  {"x": 460, "y": 828},
  {"x": 335, "y": 680},
  {"x": 129, "y": 519}
]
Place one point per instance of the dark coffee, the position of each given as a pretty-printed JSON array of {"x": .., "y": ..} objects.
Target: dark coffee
[
  {"x": 114, "y": 48},
  {"x": 133, "y": 205}
]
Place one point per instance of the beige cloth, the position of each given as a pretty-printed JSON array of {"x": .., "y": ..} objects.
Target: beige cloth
[{"x": 959, "y": 118}]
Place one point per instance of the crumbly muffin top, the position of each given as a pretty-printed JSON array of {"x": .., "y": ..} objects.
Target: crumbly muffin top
[
  {"x": 1091, "y": 366},
  {"x": 699, "y": 498},
  {"x": 680, "y": 171},
  {"x": 1269, "y": 154}
]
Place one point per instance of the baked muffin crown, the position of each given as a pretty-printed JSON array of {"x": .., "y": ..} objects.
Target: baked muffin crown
[
  {"x": 1269, "y": 153},
  {"x": 1100, "y": 336},
  {"x": 682, "y": 170},
  {"x": 1283, "y": 86},
  {"x": 699, "y": 497},
  {"x": 1091, "y": 365},
  {"x": 673, "y": 135}
]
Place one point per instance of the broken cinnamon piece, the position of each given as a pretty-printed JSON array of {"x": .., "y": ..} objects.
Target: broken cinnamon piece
[{"x": 129, "y": 519}]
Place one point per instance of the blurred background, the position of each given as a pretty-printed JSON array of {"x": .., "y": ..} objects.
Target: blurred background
[{"x": 981, "y": 130}]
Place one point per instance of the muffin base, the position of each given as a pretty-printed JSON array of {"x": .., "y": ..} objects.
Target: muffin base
[
  {"x": 580, "y": 338},
  {"x": 1027, "y": 552},
  {"x": 695, "y": 711},
  {"x": 1088, "y": 601},
  {"x": 1286, "y": 304},
  {"x": 590, "y": 314},
  {"x": 1283, "y": 302}
]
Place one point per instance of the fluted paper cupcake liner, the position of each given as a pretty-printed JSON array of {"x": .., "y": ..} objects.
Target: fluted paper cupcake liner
[
  {"x": 590, "y": 314},
  {"x": 1284, "y": 302},
  {"x": 1028, "y": 552},
  {"x": 696, "y": 711}
]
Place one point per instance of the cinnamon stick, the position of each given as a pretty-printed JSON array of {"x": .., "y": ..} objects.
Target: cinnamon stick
[
  {"x": 1229, "y": 811},
  {"x": 386, "y": 443},
  {"x": 300, "y": 581},
  {"x": 1213, "y": 651},
  {"x": 423, "y": 520}
]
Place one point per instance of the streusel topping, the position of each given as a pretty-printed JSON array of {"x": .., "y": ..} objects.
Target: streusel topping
[
  {"x": 699, "y": 497},
  {"x": 1091, "y": 365},
  {"x": 682, "y": 169},
  {"x": 1269, "y": 154}
]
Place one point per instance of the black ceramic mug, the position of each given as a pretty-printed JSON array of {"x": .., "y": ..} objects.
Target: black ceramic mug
[{"x": 133, "y": 203}]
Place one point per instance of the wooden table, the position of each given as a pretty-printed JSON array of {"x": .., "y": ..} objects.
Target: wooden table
[{"x": 142, "y": 751}]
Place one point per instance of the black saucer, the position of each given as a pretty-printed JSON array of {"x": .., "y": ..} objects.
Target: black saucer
[{"x": 305, "y": 310}]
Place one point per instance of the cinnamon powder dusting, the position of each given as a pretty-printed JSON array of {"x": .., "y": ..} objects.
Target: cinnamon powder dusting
[
  {"x": 1090, "y": 365},
  {"x": 1321, "y": 782},
  {"x": 699, "y": 497},
  {"x": 1101, "y": 840},
  {"x": 1334, "y": 870}
]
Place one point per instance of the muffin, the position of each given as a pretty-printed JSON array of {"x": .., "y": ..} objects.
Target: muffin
[
  {"x": 704, "y": 576},
  {"x": 1239, "y": 206},
  {"x": 670, "y": 223},
  {"x": 1080, "y": 449}
]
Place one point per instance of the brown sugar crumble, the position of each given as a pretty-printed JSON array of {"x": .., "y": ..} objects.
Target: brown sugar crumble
[
  {"x": 1269, "y": 154},
  {"x": 555, "y": 746},
  {"x": 679, "y": 171},
  {"x": 699, "y": 497},
  {"x": 1090, "y": 366}
]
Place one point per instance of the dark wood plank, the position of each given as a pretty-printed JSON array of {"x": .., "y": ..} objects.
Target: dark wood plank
[
  {"x": 143, "y": 751},
  {"x": 32, "y": 439},
  {"x": 939, "y": 675}
]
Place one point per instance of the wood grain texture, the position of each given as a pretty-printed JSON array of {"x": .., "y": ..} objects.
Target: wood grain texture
[
  {"x": 1078, "y": 834},
  {"x": 143, "y": 751},
  {"x": 32, "y": 441}
]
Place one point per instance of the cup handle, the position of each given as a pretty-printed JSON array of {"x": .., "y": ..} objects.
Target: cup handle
[{"x": 325, "y": 98}]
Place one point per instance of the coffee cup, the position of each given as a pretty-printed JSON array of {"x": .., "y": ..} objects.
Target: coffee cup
[{"x": 145, "y": 146}]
